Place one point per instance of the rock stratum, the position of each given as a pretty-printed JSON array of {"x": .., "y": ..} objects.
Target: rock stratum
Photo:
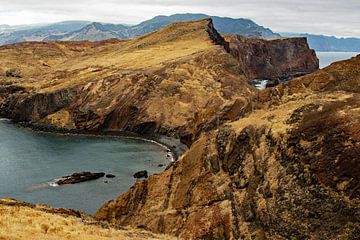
[{"x": 282, "y": 163}]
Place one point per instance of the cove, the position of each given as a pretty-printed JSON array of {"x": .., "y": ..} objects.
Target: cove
[{"x": 30, "y": 161}]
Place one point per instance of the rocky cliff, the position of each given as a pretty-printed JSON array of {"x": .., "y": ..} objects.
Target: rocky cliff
[
  {"x": 178, "y": 81},
  {"x": 274, "y": 59},
  {"x": 289, "y": 170}
]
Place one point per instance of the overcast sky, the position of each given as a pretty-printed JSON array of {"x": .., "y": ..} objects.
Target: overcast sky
[{"x": 331, "y": 17}]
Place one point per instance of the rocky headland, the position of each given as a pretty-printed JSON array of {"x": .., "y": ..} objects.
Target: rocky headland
[{"x": 281, "y": 163}]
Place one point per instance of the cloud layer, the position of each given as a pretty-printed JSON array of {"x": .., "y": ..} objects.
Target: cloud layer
[{"x": 331, "y": 17}]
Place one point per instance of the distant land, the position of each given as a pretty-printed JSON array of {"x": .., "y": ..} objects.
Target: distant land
[
  {"x": 95, "y": 31},
  {"x": 322, "y": 43}
]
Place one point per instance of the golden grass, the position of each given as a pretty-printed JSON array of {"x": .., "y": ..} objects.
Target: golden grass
[
  {"x": 20, "y": 222},
  {"x": 52, "y": 66}
]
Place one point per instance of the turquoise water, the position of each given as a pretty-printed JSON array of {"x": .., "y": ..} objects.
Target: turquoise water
[
  {"x": 30, "y": 161},
  {"x": 326, "y": 58}
]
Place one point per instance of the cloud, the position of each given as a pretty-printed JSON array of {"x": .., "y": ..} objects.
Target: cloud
[{"x": 331, "y": 17}]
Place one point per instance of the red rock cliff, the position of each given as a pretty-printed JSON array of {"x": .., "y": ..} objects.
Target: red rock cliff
[{"x": 273, "y": 59}]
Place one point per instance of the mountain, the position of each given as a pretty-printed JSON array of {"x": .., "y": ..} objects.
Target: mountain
[
  {"x": 38, "y": 33},
  {"x": 142, "y": 76},
  {"x": 323, "y": 43},
  {"x": 224, "y": 25},
  {"x": 80, "y": 30},
  {"x": 271, "y": 164}
]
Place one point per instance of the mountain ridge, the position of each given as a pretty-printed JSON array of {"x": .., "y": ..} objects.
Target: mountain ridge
[{"x": 96, "y": 31}]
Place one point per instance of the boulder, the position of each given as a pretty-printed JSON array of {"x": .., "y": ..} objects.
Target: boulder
[{"x": 141, "y": 174}]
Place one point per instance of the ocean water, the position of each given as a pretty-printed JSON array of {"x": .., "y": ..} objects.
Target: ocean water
[
  {"x": 30, "y": 161},
  {"x": 326, "y": 58}
]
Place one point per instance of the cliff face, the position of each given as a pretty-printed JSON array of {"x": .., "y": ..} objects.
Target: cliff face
[
  {"x": 289, "y": 170},
  {"x": 273, "y": 59}
]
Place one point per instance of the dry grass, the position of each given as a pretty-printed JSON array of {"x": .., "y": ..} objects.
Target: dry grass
[
  {"x": 21, "y": 222},
  {"x": 56, "y": 65}
]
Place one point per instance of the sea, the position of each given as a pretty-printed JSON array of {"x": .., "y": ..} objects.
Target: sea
[{"x": 30, "y": 162}]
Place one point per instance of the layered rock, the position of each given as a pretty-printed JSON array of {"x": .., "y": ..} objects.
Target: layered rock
[
  {"x": 275, "y": 59},
  {"x": 289, "y": 170}
]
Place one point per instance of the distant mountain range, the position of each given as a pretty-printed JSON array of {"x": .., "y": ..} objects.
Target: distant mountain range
[
  {"x": 323, "y": 43},
  {"x": 22, "y": 33},
  {"x": 94, "y": 31},
  {"x": 81, "y": 30}
]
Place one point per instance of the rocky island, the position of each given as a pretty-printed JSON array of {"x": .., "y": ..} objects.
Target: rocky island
[{"x": 282, "y": 163}]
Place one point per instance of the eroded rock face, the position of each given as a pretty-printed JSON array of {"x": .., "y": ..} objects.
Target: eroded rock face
[
  {"x": 274, "y": 59},
  {"x": 288, "y": 171}
]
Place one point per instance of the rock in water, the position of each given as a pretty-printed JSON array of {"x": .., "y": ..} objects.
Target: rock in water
[
  {"x": 110, "y": 175},
  {"x": 79, "y": 177},
  {"x": 141, "y": 174}
]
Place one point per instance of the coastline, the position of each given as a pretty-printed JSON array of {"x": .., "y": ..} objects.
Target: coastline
[{"x": 171, "y": 145}]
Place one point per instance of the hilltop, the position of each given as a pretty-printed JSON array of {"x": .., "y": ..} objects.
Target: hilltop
[{"x": 96, "y": 31}]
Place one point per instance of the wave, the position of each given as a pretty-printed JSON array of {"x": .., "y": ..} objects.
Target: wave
[{"x": 5, "y": 120}]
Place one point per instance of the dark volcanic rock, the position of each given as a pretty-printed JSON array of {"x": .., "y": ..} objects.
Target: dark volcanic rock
[
  {"x": 79, "y": 177},
  {"x": 110, "y": 175},
  {"x": 141, "y": 174}
]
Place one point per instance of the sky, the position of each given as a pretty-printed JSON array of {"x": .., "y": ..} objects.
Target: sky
[{"x": 331, "y": 17}]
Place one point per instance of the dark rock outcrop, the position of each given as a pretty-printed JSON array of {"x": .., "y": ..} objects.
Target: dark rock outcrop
[
  {"x": 79, "y": 177},
  {"x": 141, "y": 174}
]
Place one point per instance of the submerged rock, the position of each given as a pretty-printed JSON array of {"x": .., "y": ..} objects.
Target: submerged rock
[
  {"x": 141, "y": 174},
  {"x": 79, "y": 177}
]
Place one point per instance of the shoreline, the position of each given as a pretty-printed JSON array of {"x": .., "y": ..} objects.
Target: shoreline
[{"x": 171, "y": 145}]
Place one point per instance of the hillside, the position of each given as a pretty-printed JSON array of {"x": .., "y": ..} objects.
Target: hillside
[
  {"x": 272, "y": 164},
  {"x": 186, "y": 68},
  {"x": 287, "y": 170},
  {"x": 323, "y": 43},
  {"x": 19, "y": 220}
]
